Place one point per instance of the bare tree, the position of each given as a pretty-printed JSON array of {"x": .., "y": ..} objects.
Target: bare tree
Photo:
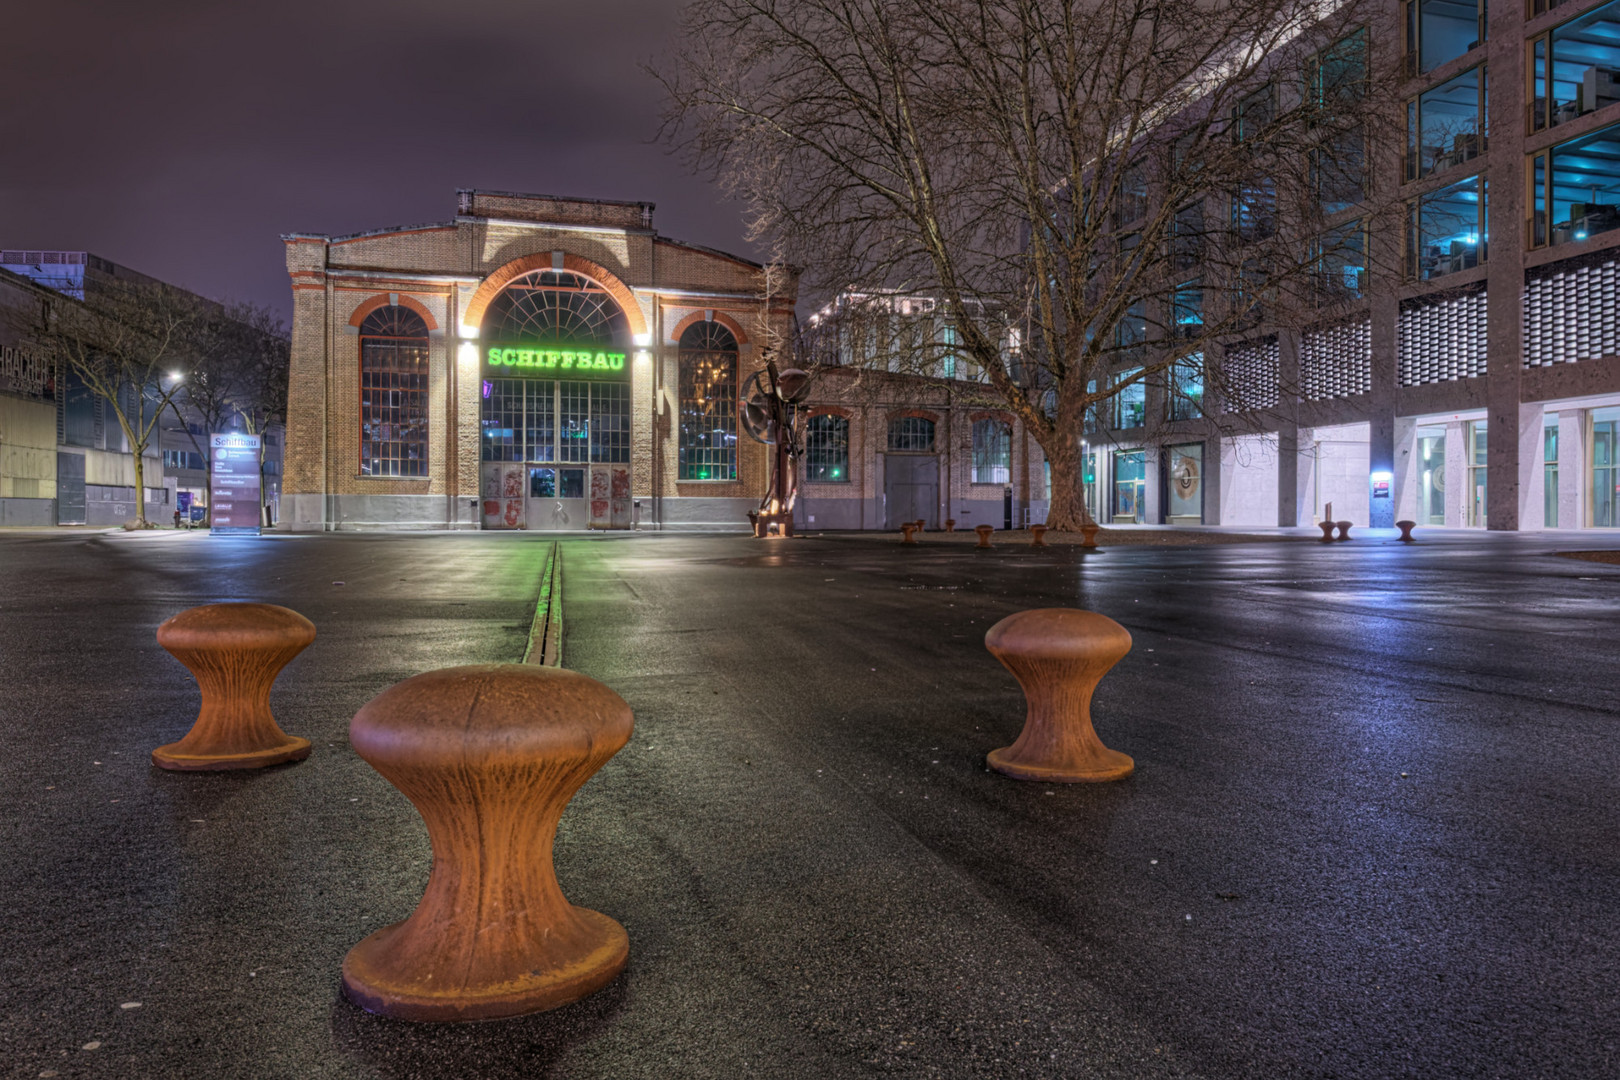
[
  {"x": 130, "y": 344},
  {"x": 1099, "y": 193}
]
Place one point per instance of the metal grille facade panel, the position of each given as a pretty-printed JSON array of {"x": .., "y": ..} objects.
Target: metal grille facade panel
[
  {"x": 1442, "y": 341},
  {"x": 1572, "y": 314},
  {"x": 1250, "y": 374},
  {"x": 1336, "y": 361}
]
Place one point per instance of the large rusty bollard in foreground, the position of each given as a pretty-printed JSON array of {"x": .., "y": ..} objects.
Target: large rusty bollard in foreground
[
  {"x": 905, "y": 532},
  {"x": 1058, "y": 655},
  {"x": 1406, "y": 528},
  {"x": 1037, "y": 536},
  {"x": 235, "y": 652},
  {"x": 1327, "y": 528},
  {"x": 490, "y": 756},
  {"x": 984, "y": 532},
  {"x": 1088, "y": 534}
]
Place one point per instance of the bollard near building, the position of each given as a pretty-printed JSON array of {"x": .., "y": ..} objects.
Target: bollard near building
[
  {"x": 1059, "y": 655},
  {"x": 1406, "y": 528},
  {"x": 950, "y": 524},
  {"x": 1037, "y": 536},
  {"x": 235, "y": 652},
  {"x": 1327, "y": 528},
  {"x": 489, "y": 755},
  {"x": 922, "y": 524},
  {"x": 905, "y": 532},
  {"x": 1344, "y": 529},
  {"x": 1088, "y": 534},
  {"x": 984, "y": 532}
]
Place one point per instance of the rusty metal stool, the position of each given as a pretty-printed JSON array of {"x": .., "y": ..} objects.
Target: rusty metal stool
[
  {"x": 235, "y": 652},
  {"x": 1037, "y": 536},
  {"x": 905, "y": 533},
  {"x": 1344, "y": 529},
  {"x": 950, "y": 524},
  {"x": 1406, "y": 528},
  {"x": 490, "y": 756},
  {"x": 984, "y": 532},
  {"x": 1088, "y": 534},
  {"x": 1058, "y": 655},
  {"x": 1327, "y": 531}
]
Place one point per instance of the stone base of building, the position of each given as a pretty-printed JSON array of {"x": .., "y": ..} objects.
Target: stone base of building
[{"x": 27, "y": 512}]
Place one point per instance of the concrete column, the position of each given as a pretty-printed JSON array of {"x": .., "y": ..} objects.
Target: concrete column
[
  {"x": 1289, "y": 503},
  {"x": 1572, "y": 469},
  {"x": 1458, "y": 496},
  {"x": 1408, "y": 471},
  {"x": 1381, "y": 412},
  {"x": 1504, "y": 314},
  {"x": 1532, "y": 474},
  {"x": 1211, "y": 480},
  {"x": 1305, "y": 478}
]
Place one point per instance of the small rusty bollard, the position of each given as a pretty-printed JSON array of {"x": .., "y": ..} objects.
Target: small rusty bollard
[
  {"x": 235, "y": 652},
  {"x": 984, "y": 532},
  {"x": 905, "y": 533},
  {"x": 950, "y": 524},
  {"x": 489, "y": 755},
  {"x": 1344, "y": 529},
  {"x": 1088, "y": 534},
  {"x": 1327, "y": 531},
  {"x": 921, "y": 523},
  {"x": 1037, "y": 536},
  {"x": 1058, "y": 655},
  {"x": 1406, "y": 528}
]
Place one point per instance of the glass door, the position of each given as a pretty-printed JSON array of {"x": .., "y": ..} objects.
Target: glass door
[
  {"x": 1431, "y": 476},
  {"x": 1476, "y": 475},
  {"x": 1605, "y": 469}
]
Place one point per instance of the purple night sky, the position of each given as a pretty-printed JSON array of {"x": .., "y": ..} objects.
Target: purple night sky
[{"x": 183, "y": 138}]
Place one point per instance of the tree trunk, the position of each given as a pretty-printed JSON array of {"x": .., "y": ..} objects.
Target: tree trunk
[
  {"x": 1068, "y": 512},
  {"x": 140, "y": 489}
]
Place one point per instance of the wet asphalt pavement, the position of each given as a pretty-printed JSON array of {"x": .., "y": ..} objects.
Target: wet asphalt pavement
[{"x": 1372, "y": 832}]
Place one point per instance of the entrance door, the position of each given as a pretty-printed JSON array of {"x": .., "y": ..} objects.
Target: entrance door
[
  {"x": 557, "y": 498},
  {"x": 503, "y": 502},
  {"x": 610, "y": 497},
  {"x": 69, "y": 489},
  {"x": 911, "y": 489}
]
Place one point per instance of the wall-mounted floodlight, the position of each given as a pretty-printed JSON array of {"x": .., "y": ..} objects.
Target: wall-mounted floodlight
[
  {"x": 467, "y": 332},
  {"x": 643, "y": 340}
]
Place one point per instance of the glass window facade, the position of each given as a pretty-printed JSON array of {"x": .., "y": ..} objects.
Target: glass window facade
[
  {"x": 1575, "y": 68},
  {"x": 1341, "y": 261},
  {"x": 1439, "y": 31},
  {"x": 393, "y": 393},
  {"x": 1580, "y": 196},
  {"x": 520, "y": 421},
  {"x": 1339, "y": 171},
  {"x": 708, "y": 436},
  {"x": 1187, "y": 388},
  {"x": 1185, "y": 494},
  {"x": 826, "y": 450},
  {"x": 1130, "y": 402},
  {"x": 1446, "y": 230},
  {"x": 1431, "y": 476},
  {"x": 1476, "y": 474},
  {"x": 1445, "y": 126},
  {"x": 1188, "y": 309},
  {"x": 911, "y": 435},
  {"x": 992, "y": 452}
]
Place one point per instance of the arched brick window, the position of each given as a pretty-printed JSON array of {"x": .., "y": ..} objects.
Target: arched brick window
[
  {"x": 393, "y": 393},
  {"x": 708, "y": 438},
  {"x": 911, "y": 435}
]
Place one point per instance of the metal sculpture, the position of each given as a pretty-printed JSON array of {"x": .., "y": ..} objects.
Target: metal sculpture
[{"x": 772, "y": 401}]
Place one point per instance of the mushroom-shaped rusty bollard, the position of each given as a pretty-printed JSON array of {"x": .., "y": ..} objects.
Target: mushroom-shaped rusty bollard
[
  {"x": 1327, "y": 531},
  {"x": 921, "y": 523},
  {"x": 950, "y": 524},
  {"x": 1058, "y": 655},
  {"x": 235, "y": 652},
  {"x": 490, "y": 756},
  {"x": 984, "y": 532},
  {"x": 1344, "y": 529},
  {"x": 1088, "y": 534},
  {"x": 1037, "y": 536},
  {"x": 1406, "y": 528},
  {"x": 905, "y": 532}
]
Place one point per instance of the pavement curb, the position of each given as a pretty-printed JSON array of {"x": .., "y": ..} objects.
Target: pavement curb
[{"x": 545, "y": 633}]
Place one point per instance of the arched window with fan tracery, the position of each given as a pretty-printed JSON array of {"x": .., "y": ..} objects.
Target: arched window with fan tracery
[
  {"x": 393, "y": 393},
  {"x": 708, "y": 382}
]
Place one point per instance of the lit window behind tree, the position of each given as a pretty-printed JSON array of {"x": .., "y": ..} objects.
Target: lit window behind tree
[{"x": 708, "y": 439}]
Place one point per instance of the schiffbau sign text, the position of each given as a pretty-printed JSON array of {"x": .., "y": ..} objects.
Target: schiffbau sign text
[{"x": 578, "y": 362}]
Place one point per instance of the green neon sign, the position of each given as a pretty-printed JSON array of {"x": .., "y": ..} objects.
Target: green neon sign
[{"x": 578, "y": 362}]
